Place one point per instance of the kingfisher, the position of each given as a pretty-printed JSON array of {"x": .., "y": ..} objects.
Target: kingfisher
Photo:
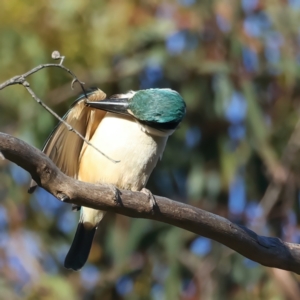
[{"x": 131, "y": 129}]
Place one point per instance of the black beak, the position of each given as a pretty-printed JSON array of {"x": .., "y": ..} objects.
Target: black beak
[{"x": 114, "y": 105}]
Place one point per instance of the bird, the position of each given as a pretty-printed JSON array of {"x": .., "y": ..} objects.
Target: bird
[{"x": 132, "y": 129}]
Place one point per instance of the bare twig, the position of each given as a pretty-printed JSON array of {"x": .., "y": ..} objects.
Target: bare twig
[
  {"x": 21, "y": 79},
  {"x": 70, "y": 128},
  {"x": 268, "y": 251}
]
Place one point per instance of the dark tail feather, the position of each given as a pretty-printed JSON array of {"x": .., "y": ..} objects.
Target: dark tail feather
[{"x": 80, "y": 248}]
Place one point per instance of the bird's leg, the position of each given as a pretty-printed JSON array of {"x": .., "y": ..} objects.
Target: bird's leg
[{"x": 151, "y": 198}]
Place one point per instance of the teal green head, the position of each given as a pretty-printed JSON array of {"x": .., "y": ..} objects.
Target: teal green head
[{"x": 157, "y": 108}]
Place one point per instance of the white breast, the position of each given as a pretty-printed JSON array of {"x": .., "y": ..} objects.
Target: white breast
[{"x": 125, "y": 140}]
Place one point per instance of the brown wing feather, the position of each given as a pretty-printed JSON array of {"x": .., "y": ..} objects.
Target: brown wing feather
[{"x": 63, "y": 146}]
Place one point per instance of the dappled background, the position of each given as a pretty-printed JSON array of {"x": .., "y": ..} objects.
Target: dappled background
[{"x": 236, "y": 64}]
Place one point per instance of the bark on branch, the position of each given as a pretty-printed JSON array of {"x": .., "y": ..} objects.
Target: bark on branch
[{"x": 268, "y": 251}]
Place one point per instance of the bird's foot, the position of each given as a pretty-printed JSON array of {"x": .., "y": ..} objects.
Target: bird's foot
[
  {"x": 33, "y": 186},
  {"x": 117, "y": 194},
  {"x": 62, "y": 197},
  {"x": 75, "y": 207},
  {"x": 151, "y": 198}
]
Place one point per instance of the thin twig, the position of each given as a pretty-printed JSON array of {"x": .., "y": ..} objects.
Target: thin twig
[
  {"x": 70, "y": 128},
  {"x": 21, "y": 79}
]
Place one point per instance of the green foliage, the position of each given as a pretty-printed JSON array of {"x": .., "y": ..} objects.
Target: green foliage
[{"x": 236, "y": 64}]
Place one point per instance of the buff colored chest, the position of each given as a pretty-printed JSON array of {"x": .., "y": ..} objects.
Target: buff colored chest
[{"x": 121, "y": 138}]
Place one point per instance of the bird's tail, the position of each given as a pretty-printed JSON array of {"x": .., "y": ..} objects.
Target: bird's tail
[{"x": 81, "y": 245}]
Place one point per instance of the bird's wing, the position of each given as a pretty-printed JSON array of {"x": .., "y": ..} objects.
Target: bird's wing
[{"x": 64, "y": 146}]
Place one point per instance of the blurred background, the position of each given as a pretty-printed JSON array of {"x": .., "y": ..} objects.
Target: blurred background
[{"x": 237, "y": 65}]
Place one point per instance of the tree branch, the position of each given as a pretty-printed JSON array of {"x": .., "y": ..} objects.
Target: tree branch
[
  {"x": 268, "y": 251},
  {"x": 21, "y": 79}
]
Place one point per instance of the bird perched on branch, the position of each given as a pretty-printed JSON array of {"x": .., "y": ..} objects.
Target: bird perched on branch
[{"x": 131, "y": 129}]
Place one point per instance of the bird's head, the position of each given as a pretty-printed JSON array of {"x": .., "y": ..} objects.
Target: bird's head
[{"x": 162, "y": 109}]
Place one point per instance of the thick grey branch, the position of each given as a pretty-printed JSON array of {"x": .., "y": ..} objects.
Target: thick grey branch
[{"x": 268, "y": 251}]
